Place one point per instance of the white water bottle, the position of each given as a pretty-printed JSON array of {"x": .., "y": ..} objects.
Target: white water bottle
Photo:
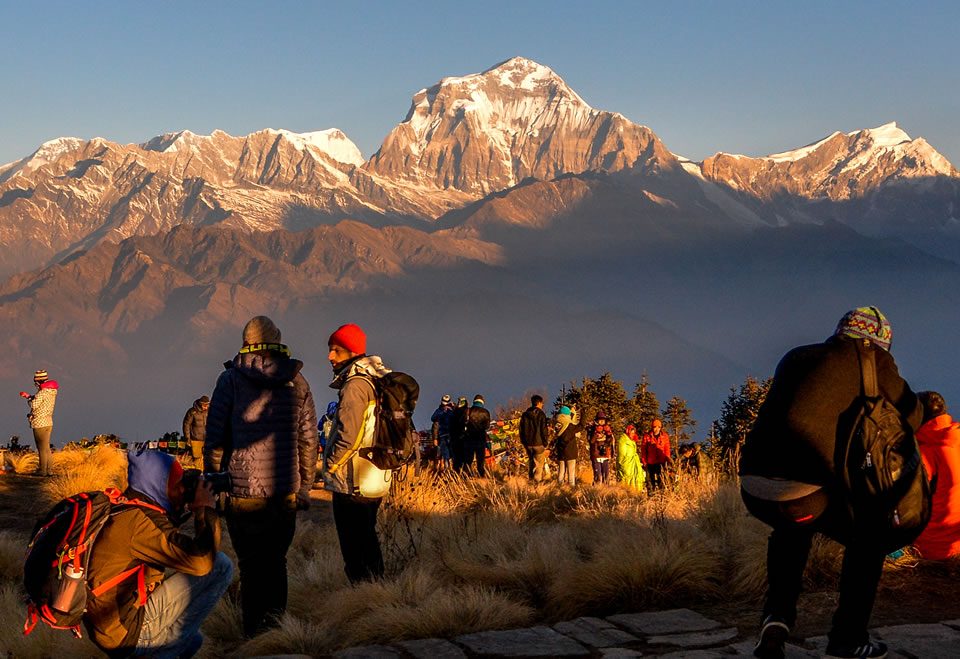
[{"x": 71, "y": 586}]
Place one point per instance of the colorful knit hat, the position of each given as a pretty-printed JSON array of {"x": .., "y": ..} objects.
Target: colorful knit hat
[
  {"x": 351, "y": 337},
  {"x": 478, "y": 401},
  {"x": 866, "y": 323},
  {"x": 40, "y": 375},
  {"x": 445, "y": 400}
]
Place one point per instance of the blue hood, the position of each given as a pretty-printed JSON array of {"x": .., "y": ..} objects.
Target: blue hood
[{"x": 148, "y": 473}]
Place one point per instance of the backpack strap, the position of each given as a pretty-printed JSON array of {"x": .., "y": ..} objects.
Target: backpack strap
[
  {"x": 120, "y": 578},
  {"x": 868, "y": 370}
]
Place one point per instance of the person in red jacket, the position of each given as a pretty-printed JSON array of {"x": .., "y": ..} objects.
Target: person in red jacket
[
  {"x": 655, "y": 453},
  {"x": 939, "y": 439}
]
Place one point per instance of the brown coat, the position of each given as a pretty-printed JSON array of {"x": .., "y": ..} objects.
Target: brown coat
[{"x": 140, "y": 536}]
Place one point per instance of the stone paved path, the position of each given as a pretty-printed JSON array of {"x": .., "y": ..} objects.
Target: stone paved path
[{"x": 675, "y": 633}]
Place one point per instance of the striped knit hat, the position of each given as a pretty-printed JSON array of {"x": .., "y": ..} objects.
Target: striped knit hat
[
  {"x": 40, "y": 376},
  {"x": 866, "y": 323}
]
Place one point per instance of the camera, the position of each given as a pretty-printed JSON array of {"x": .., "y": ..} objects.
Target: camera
[{"x": 192, "y": 478}]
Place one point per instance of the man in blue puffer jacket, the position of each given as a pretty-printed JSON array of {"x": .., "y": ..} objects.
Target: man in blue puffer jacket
[{"x": 263, "y": 418}]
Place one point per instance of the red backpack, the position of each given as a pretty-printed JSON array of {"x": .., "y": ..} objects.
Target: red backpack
[{"x": 55, "y": 568}]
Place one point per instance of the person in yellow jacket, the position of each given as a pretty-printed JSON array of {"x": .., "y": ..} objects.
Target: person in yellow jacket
[{"x": 629, "y": 468}]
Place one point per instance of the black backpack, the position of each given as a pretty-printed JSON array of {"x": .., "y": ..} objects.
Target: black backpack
[
  {"x": 55, "y": 569},
  {"x": 882, "y": 470},
  {"x": 395, "y": 438}
]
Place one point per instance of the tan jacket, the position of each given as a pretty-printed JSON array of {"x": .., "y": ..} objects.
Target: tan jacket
[
  {"x": 344, "y": 471},
  {"x": 139, "y": 536}
]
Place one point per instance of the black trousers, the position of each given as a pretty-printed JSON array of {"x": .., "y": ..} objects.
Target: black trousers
[
  {"x": 356, "y": 521},
  {"x": 787, "y": 551},
  {"x": 473, "y": 452},
  {"x": 654, "y": 476},
  {"x": 261, "y": 531}
]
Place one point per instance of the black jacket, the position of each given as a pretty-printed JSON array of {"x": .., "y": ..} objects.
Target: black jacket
[
  {"x": 262, "y": 417},
  {"x": 810, "y": 408},
  {"x": 568, "y": 444},
  {"x": 533, "y": 428},
  {"x": 478, "y": 422}
]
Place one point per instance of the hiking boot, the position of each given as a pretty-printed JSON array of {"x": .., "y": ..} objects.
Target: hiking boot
[
  {"x": 869, "y": 650},
  {"x": 773, "y": 639}
]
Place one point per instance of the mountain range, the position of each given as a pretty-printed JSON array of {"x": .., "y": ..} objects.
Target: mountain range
[{"x": 505, "y": 237}]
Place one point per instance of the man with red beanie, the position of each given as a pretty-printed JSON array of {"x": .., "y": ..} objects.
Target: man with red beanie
[{"x": 358, "y": 486}]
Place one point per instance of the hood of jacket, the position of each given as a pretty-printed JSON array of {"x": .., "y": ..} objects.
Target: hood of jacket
[
  {"x": 270, "y": 369},
  {"x": 940, "y": 430},
  {"x": 148, "y": 472},
  {"x": 369, "y": 365}
]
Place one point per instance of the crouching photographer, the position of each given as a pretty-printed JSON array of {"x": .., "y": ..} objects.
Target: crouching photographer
[{"x": 145, "y": 613}]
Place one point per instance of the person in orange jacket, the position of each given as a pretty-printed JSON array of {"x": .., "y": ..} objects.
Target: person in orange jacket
[
  {"x": 939, "y": 439},
  {"x": 655, "y": 453}
]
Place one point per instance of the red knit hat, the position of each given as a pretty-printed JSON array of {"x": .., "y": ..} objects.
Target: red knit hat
[{"x": 351, "y": 337}]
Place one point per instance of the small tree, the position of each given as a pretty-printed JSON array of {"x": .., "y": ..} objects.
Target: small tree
[
  {"x": 679, "y": 418},
  {"x": 737, "y": 415},
  {"x": 595, "y": 395},
  {"x": 644, "y": 407}
]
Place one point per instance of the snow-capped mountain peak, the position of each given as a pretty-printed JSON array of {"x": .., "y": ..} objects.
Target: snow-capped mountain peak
[
  {"x": 488, "y": 131},
  {"x": 883, "y": 136},
  {"x": 802, "y": 152},
  {"x": 172, "y": 142},
  {"x": 45, "y": 154},
  {"x": 332, "y": 141}
]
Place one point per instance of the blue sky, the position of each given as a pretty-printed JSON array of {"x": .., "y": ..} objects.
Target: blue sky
[{"x": 744, "y": 77}]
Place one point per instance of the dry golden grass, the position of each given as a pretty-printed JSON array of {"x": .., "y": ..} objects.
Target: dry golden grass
[
  {"x": 85, "y": 470},
  {"x": 22, "y": 462},
  {"x": 43, "y": 642},
  {"x": 12, "y": 548}
]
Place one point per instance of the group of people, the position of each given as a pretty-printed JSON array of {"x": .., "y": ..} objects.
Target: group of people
[
  {"x": 639, "y": 458},
  {"x": 260, "y": 426},
  {"x": 259, "y": 430},
  {"x": 459, "y": 434}
]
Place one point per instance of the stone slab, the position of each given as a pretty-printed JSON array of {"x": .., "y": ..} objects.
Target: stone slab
[
  {"x": 538, "y": 641},
  {"x": 952, "y": 623},
  {"x": 595, "y": 632},
  {"x": 674, "y": 621},
  {"x": 369, "y": 652},
  {"x": 693, "y": 654},
  {"x": 696, "y": 639},
  {"x": 792, "y": 651},
  {"x": 432, "y": 648},
  {"x": 931, "y": 641},
  {"x": 619, "y": 653}
]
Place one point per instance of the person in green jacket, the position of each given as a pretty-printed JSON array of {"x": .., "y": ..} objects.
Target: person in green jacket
[{"x": 629, "y": 469}]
